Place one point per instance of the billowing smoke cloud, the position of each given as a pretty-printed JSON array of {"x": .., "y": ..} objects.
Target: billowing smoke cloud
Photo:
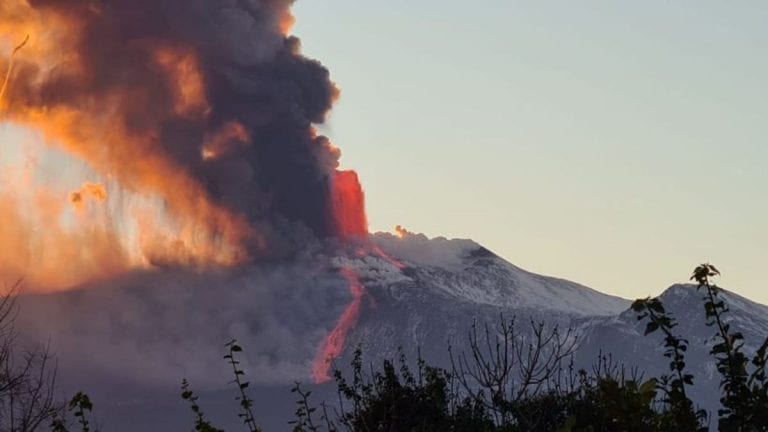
[
  {"x": 202, "y": 112},
  {"x": 206, "y": 104}
]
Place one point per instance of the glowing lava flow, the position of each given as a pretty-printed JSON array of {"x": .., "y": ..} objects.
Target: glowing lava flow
[
  {"x": 351, "y": 225},
  {"x": 333, "y": 344}
]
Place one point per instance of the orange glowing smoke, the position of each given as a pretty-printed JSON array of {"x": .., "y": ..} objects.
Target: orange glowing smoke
[
  {"x": 208, "y": 232},
  {"x": 401, "y": 232},
  {"x": 7, "y": 78},
  {"x": 114, "y": 121},
  {"x": 348, "y": 206},
  {"x": 38, "y": 241},
  {"x": 224, "y": 140},
  {"x": 333, "y": 344},
  {"x": 185, "y": 79},
  {"x": 88, "y": 190},
  {"x": 286, "y": 22}
]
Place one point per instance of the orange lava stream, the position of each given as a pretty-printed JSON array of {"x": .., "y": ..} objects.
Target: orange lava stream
[
  {"x": 333, "y": 344},
  {"x": 351, "y": 225}
]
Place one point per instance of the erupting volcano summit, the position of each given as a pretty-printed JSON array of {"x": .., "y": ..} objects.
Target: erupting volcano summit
[{"x": 204, "y": 110}]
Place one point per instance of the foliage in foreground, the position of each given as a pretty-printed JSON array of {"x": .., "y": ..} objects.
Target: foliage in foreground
[{"x": 27, "y": 376}]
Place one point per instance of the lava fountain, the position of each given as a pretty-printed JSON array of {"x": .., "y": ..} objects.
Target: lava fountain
[{"x": 348, "y": 206}]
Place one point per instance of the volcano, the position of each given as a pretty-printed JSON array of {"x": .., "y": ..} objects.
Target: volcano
[
  {"x": 130, "y": 343},
  {"x": 207, "y": 206}
]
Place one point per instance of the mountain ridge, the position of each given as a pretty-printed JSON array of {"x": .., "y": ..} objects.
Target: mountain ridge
[{"x": 421, "y": 295}]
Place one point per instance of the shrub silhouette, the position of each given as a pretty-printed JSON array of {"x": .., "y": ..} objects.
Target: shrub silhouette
[{"x": 27, "y": 377}]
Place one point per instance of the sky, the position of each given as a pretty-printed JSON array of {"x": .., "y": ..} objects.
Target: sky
[{"x": 616, "y": 144}]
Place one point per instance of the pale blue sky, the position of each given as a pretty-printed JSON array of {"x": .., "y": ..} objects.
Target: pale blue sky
[{"x": 591, "y": 140}]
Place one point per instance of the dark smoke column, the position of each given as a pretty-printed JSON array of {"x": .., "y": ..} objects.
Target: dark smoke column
[
  {"x": 214, "y": 92},
  {"x": 257, "y": 76}
]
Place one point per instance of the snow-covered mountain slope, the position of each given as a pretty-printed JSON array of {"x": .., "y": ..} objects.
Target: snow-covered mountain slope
[
  {"x": 129, "y": 341},
  {"x": 450, "y": 284},
  {"x": 464, "y": 271}
]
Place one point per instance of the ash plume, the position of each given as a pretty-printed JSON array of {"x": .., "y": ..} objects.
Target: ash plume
[
  {"x": 207, "y": 197},
  {"x": 208, "y": 105}
]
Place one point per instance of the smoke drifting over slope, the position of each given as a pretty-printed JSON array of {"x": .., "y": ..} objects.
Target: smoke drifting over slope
[
  {"x": 206, "y": 105},
  {"x": 150, "y": 329}
]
